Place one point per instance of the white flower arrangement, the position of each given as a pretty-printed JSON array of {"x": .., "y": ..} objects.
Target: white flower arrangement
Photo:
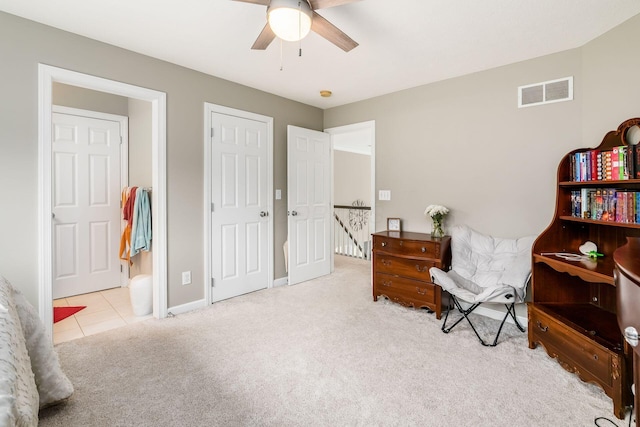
[{"x": 436, "y": 212}]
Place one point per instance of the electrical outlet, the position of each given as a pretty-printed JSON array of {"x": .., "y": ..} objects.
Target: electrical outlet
[{"x": 186, "y": 277}]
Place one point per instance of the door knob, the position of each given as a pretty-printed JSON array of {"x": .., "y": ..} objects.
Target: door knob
[
  {"x": 631, "y": 335},
  {"x": 263, "y": 214},
  {"x": 294, "y": 213}
]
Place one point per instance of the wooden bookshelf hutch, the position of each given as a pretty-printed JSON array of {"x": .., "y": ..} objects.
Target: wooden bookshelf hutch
[{"x": 573, "y": 308}]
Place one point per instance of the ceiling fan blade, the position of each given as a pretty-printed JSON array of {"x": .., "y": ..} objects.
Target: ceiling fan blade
[
  {"x": 323, "y": 4},
  {"x": 330, "y": 32},
  {"x": 264, "y": 39},
  {"x": 261, "y": 2}
]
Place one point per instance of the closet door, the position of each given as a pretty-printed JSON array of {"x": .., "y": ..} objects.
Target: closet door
[{"x": 239, "y": 218}]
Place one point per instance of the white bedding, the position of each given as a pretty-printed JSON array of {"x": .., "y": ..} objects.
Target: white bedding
[
  {"x": 30, "y": 373},
  {"x": 19, "y": 401}
]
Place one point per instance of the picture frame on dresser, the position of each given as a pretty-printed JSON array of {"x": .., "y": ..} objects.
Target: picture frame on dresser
[{"x": 394, "y": 224}]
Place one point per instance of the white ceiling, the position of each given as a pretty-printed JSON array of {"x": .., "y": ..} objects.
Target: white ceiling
[{"x": 403, "y": 43}]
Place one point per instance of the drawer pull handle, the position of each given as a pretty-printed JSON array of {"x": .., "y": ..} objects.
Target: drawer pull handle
[
  {"x": 631, "y": 336},
  {"x": 542, "y": 328},
  {"x": 595, "y": 357},
  {"x": 386, "y": 283},
  {"x": 386, "y": 262},
  {"x": 422, "y": 269},
  {"x": 421, "y": 291},
  {"x": 384, "y": 244},
  {"x": 424, "y": 249}
]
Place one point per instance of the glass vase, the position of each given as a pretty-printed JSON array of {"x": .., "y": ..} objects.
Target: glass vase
[{"x": 437, "y": 230}]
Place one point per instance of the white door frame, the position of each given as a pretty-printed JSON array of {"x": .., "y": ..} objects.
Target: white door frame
[
  {"x": 371, "y": 126},
  {"x": 209, "y": 109},
  {"x": 47, "y": 75},
  {"x": 124, "y": 156}
]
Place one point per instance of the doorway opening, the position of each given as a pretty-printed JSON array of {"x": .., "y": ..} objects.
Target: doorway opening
[
  {"x": 48, "y": 77},
  {"x": 353, "y": 189}
]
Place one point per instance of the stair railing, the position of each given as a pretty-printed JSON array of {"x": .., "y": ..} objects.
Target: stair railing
[{"x": 351, "y": 226}]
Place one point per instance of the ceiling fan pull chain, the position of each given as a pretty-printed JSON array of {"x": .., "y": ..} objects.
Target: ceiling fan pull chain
[
  {"x": 280, "y": 54},
  {"x": 300, "y": 28}
]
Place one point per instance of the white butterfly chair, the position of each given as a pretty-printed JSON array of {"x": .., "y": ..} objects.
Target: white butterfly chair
[{"x": 485, "y": 269}]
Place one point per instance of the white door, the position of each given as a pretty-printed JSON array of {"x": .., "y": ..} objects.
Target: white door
[
  {"x": 309, "y": 203},
  {"x": 239, "y": 217},
  {"x": 86, "y": 204}
]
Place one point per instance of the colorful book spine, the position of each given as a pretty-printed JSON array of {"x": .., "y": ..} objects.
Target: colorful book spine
[
  {"x": 598, "y": 205},
  {"x": 630, "y": 163},
  {"x": 622, "y": 162},
  {"x": 593, "y": 165},
  {"x": 575, "y": 203},
  {"x": 584, "y": 203},
  {"x": 599, "y": 167},
  {"x": 607, "y": 166},
  {"x": 611, "y": 205},
  {"x": 634, "y": 162},
  {"x": 615, "y": 166},
  {"x": 619, "y": 205}
]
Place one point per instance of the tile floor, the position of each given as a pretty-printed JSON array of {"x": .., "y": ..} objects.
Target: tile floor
[{"x": 105, "y": 310}]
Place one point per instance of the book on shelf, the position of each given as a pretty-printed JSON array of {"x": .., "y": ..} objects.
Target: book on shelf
[
  {"x": 576, "y": 204},
  {"x": 611, "y": 205},
  {"x": 633, "y": 161},
  {"x": 618, "y": 164},
  {"x": 606, "y": 204},
  {"x": 607, "y": 166}
]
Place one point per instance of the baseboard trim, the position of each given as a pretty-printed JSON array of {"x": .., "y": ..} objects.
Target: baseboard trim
[
  {"x": 281, "y": 281},
  {"x": 190, "y": 306}
]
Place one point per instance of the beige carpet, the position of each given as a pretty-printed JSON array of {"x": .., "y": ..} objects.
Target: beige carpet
[{"x": 320, "y": 353}]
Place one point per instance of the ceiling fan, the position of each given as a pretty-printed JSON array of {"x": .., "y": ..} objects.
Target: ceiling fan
[{"x": 304, "y": 17}]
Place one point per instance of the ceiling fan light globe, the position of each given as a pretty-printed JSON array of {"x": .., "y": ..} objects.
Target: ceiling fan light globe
[{"x": 290, "y": 20}]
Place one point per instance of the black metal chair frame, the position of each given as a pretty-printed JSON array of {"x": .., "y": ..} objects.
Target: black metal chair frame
[{"x": 465, "y": 315}]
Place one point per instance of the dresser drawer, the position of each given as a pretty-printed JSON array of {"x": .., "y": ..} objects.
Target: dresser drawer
[
  {"x": 406, "y": 267},
  {"x": 408, "y": 288},
  {"x": 423, "y": 249},
  {"x": 575, "y": 351}
]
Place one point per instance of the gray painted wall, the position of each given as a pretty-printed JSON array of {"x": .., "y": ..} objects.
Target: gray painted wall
[
  {"x": 140, "y": 168},
  {"x": 87, "y": 99},
  {"x": 351, "y": 177},
  {"x": 24, "y": 44},
  {"x": 611, "y": 80},
  {"x": 463, "y": 142}
]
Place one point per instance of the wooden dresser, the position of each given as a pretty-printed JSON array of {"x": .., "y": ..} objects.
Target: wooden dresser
[
  {"x": 627, "y": 280},
  {"x": 401, "y": 263}
]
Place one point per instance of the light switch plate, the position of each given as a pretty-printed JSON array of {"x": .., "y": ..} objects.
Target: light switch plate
[
  {"x": 186, "y": 277},
  {"x": 278, "y": 194},
  {"x": 384, "y": 195}
]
